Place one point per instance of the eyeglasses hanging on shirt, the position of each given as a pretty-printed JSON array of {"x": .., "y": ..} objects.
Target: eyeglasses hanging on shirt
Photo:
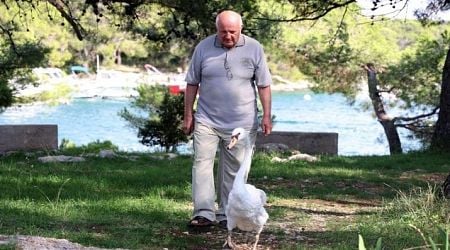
[{"x": 227, "y": 66}]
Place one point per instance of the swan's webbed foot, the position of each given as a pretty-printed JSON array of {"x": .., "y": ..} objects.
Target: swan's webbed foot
[{"x": 229, "y": 242}]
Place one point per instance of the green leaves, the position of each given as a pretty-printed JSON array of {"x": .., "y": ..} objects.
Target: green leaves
[
  {"x": 416, "y": 78},
  {"x": 334, "y": 65},
  {"x": 16, "y": 63},
  {"x": 362, "y": 246},
  {"x": 162, "y": 126}
]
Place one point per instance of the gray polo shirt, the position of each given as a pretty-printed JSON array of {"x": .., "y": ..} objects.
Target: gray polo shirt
[{"x": 227, "y": 78}]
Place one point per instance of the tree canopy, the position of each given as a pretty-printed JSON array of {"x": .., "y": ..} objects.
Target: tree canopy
[
  {"x": 327, "y": 48},
  {"x": 189, "y": 19}
]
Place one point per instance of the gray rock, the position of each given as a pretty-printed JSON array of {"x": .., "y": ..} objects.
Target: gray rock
[
  {"x": 107, "y": 153},
  {"x": 25, "y": 242},
  {"x": 60, "y": 158}
]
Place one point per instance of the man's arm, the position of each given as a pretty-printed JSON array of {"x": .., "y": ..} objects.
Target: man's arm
[
  {"x": 190, "y": 95},
  {"x": 265, "y": 96}
]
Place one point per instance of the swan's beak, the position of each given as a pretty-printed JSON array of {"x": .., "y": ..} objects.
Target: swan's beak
[{"x": 234, "y": 139}]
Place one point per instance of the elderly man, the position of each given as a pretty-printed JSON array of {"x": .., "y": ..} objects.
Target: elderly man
[{"x": 226, "y": 70}]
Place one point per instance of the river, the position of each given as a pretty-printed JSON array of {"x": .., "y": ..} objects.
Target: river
[{"x": 84, "y": 120}]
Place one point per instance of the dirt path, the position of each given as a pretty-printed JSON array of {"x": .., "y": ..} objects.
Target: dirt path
[{"x": 302, "y": 216}]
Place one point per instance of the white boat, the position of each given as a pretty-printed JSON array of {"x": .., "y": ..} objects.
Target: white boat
[{"x": 174, "y": 81}]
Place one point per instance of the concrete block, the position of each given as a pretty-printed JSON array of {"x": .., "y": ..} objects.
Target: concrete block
[
  {"x": 306, "y": 142},
  {"x": 28, "y": 137}
]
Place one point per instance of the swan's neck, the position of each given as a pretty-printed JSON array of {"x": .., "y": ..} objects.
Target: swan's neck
[{"x": 244, "y": 169}]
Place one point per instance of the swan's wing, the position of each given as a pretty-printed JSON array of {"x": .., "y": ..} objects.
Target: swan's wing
[
  {"x": 263, "y": 196},
  {"x": 246, "y": 208},
  {"x": 257, "y": 196}
]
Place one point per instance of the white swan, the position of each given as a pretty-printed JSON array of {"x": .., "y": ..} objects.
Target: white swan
[{"x": 245, "y": 207}]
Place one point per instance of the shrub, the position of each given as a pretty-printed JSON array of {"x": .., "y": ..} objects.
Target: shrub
[{"x": 162, "y": 127}]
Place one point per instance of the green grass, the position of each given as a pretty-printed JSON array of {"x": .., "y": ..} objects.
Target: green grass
[{"x": 144, "y": 202}]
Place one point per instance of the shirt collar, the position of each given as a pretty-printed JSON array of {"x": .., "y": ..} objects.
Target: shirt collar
[{"x": 240, "y": 43}]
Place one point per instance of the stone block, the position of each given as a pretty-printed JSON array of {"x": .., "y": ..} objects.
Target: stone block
[
  {"x": 28, "y": 137},
  {"x": 318, "y": 143}
]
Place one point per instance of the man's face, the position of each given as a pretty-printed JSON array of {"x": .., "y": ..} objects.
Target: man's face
[{"x": 228, "y": 31}]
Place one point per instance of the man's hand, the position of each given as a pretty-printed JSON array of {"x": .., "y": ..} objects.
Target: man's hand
[
  {"x": 266, "y": 125},
  {"x": 265, "y": 96},
  {"x": 190, "y": 94},
  {"x": 188, "y": 124}
]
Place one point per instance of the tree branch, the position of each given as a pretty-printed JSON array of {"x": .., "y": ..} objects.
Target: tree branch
[
  {"x": 386, "y": 90},
  {"x": 417, "y": 117},
  {"x": 413, "y": 127},
  {"x": 310, "y": 16},
  {"x": 9, "y": 34},
  {"x": 59, "y": 5},
  {"x": 341, "y": 23}
]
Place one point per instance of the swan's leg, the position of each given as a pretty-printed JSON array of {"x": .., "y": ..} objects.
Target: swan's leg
[
  {"x": 257, "y": 238},
  {"x": 256, "y": 241}
]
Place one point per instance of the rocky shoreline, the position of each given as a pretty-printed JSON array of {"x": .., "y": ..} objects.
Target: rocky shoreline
[{"x": 118, "y": 84}]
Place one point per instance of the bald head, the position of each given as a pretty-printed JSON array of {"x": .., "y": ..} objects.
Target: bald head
[
  {"x": 228, "y": 16},
  {"x": 228, "y": 25}
]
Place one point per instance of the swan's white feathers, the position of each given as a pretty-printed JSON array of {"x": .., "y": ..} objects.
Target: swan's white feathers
[{"x": 245, "y": 208}]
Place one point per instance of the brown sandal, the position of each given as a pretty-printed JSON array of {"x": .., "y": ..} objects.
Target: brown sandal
[
  {"x": 223, "y": 224},
  {"x": 199, "y": 221}
]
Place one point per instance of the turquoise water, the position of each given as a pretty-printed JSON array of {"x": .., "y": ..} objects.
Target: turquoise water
[
  {"x": 86, "y": 120},
  {"x": 359, "y": 133}
]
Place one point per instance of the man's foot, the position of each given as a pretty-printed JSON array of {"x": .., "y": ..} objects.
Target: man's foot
[{"x": 199, "y": 222}]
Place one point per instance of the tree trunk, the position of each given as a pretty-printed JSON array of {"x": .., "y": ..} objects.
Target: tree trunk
[
  {"x": 118, "y": 56},
  {"x": 395, "y": 146},
  {"x": 441, "y": 136}
]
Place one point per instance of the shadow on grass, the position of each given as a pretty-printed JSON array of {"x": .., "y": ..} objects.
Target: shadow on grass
[
  {"x": 145, "y": 203},
  {"x": 101, "y": 227},
  {"x": 320, "y": 211},
  {"x": 93, "y": 180}
]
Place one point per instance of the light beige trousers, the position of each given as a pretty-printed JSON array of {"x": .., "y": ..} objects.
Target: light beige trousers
[{"x": 208, "y": 141}]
